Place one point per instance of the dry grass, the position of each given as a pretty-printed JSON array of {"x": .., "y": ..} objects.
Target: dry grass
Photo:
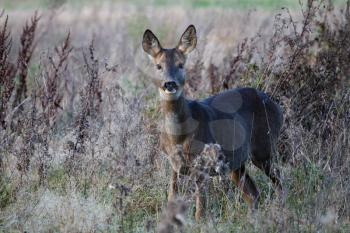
[{"x": 79, "y": 117}]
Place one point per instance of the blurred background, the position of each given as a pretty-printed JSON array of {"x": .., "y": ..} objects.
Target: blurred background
[{"x": 268, "y": 4}]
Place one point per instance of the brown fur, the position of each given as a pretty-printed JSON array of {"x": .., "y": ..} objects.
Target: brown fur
[{"x": 244, "y": 122}]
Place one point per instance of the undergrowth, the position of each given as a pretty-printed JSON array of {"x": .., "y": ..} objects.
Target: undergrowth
[{"x": 80, "y": 152}]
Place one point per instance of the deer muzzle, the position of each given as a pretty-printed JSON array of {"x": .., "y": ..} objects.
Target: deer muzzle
[{"x": 170, "y": 87}]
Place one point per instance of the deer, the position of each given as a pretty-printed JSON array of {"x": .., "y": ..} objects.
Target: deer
[{"x": 245, "y": 122}]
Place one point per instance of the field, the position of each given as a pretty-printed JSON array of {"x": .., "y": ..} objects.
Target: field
[{"x": 80, "y": 117}]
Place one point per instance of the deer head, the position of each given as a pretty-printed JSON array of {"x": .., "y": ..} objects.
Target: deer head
[{"x": 169, "y": 63}]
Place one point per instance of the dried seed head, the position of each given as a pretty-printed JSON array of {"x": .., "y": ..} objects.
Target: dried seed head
[{"x": 173, "y": 217}]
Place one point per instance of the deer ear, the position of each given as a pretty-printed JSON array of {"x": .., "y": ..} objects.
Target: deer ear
[
  {"x": 150, "y": 43},
  {"x": 188, "y": 40}
]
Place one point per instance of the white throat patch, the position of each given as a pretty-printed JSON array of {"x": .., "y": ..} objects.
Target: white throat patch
[{"x": 170, "y": 95}]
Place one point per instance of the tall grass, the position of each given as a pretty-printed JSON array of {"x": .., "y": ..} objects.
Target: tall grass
[{"x": 79, "y": 117}]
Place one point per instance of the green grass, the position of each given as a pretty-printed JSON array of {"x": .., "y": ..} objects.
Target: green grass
[
  {"x": 57, "y": 180},
  {"x": 229, "y": 212},
  {"x": 6, "y": 191}
]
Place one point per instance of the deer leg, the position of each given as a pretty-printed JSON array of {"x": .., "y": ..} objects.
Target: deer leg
[
  {"x": 272, "y": 173},
  {"x": 243, "y": 181},
  {"x": 201, "y": 196},
  {"x": 172, "y": 185}
]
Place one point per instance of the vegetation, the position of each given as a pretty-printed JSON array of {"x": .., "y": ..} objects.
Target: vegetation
[
  {"x": 79, "y": 116},
  {"x": 234, "y": 4}
]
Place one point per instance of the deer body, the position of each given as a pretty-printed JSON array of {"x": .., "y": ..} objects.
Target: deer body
[
  {"x": 238, "y": 131},
  {"x": 244, "y": 122}
]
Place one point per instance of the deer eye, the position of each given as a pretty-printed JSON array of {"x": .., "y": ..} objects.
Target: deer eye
[
  {"x": 181, "y": 66},
  {"x": 159, "y": 67}
]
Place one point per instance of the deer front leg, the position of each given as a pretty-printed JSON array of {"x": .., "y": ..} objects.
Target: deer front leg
[
  {"x": 200, "y": 204},
  {"x": 172, "y": 185},
  {"x": 201, "y": 198}
]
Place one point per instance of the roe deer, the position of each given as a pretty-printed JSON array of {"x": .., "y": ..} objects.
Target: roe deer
[{"x": 245, "y": 122}]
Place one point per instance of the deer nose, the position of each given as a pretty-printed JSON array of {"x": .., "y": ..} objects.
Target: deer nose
[{"x": 170, "y": 86}]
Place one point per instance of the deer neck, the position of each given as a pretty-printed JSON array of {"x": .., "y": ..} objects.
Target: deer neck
[{"x": 178, "y": 121}]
